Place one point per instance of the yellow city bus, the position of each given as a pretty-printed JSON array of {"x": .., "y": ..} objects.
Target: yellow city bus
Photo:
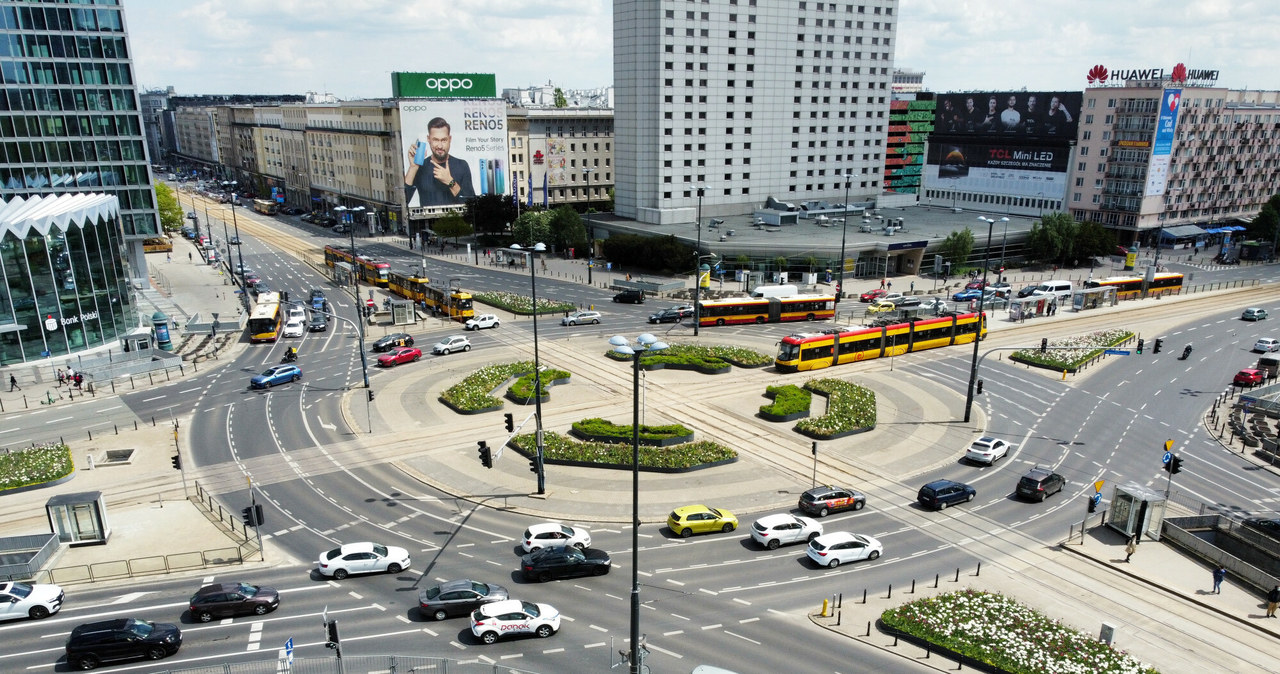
[
  {"x": 265, "y": 206},
  {"x": 264, "y": 322}
]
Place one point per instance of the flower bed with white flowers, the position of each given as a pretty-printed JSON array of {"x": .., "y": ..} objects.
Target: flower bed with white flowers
[
  {"x": 850, "y": 409},
  {"x": 1003, "y": 633},
  {"x": 523, "y": 304},
  {"x": 475, "y": 393},
  {"x": 34, "y": 465},
  {"x": 1071, "y": 353}
]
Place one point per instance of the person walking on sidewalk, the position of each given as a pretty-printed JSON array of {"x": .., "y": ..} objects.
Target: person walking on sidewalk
[
  {"x": 1273, "y": 599},
  {"x": 1130, "y": 547},
  {"x": 1218, "y": 575},
  {"x": 13, "y": 384}
]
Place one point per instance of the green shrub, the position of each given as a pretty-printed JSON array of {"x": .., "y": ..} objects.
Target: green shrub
[
  {"x": 473, "y": 393},
  {"x": 787, "y": 399},
  {"x": 709, "y": 357},
  {"x": 522, "y": 304},
  {"x": 523, "y": 387},
  {"x": 849, "y": 408},
  {"x": 34, "y": 465},
  {"x": 603, "y": 427},
  {"x": 687, "y": 455},
  {"x": 1072, "y": 352}
]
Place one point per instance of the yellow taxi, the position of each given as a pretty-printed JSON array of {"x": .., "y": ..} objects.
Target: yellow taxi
[
  {"x": 699, "y": 519},
  {"x": 881, "y": 306}
]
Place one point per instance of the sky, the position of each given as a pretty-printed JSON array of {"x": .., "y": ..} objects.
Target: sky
[{"x": 349, "y": 48}]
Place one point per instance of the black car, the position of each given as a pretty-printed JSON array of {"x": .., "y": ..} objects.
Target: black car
[
  {"x": 309, "y": 217},
  {"x": 224, "y": 600},
  {"x": 294, "y": 210},
  {"x": 1040, "y": 483},
  {"x": 667, "y": 316},
  {"x": 942, "y": 493},
  {"x": 1270, "y": 527},
  {"x": 457, "y": 597},
  {"x": 393, "y": 339},
  {"x": 564, "y": 561},
  {"x": 92, "y": 644},
  {"x": 318, "y": 323},
  {"x": 630, "y": 297},
  {"x": 823, "y": 500},
  {"x": 322, "y": 219},
  {"x": 1028, "y": 291},
  {"x": 235, "y": 241}
]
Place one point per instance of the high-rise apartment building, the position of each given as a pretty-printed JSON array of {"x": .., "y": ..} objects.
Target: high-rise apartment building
[
  {"x": 748, "y": 100},
  {"x": 70, "y": 118}
]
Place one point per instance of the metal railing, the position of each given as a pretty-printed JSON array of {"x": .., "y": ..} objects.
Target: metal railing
[
  {"x": 144, "y": 566},
  {"x": 44, "y": 545},
  {"x": 389, "y": 664}
]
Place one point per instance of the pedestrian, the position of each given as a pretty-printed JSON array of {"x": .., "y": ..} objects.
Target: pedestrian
[
  {"x": 882, "y": 284},
  {"x": 1273, "y": 598},
  {"x": 913, "y": 286},
  {"x": 79, "y": 380},
  {"x": 1218, "y": 575},
  {"x": 62, "y": 377},
  {"x": 168, "y": 257},
  {"x": 188, "y": 257},
  {"x": 13, "y": 384},
  {"x": 888, "y": 285},
  {"x": 1130, "y": 547}
]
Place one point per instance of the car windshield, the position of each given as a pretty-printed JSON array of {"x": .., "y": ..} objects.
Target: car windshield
[
  {"x": 247, "y": 590},
  {"x": 574, "y": 554},
  {"x": 480, "y": 589},
  {"x": 380, "y": 550},
  {"x": 432, "y": 592},
  {"x": 139, "y": 627},
  {"x": 20, "y": 590},
  {"x": 530, "y": 608}
]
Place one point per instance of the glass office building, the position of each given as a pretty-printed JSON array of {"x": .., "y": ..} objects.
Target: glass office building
[
  {"x": 65, "y": 283},
  {"x": 69, "y": 118}
]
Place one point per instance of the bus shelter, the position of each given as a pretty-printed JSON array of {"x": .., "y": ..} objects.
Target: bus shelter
[
  {"x": 1022, "y": 308},
  {"x": 1093, "y": 298},
  {"x": 1136, "y": 511}
]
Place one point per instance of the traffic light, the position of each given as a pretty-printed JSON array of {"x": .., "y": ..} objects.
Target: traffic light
[
  {"x": 1044, "y": 345},
  {"x": 511, "y": 421},
  {"x": 370, "y": 393},
  {"x": 332, "y": 640},
  {"x": 1140, "y": 344},
  {"x": 1093, "y": 505},
  {"x": 1155, "y": 348},
  {"x": 177, "y": 461},
  {"x": 1175, "y": 465},
  {"x": 246, "y": 514},
  {"x": 533, "y": 464},
  {"x": 979, "y": 387},
  {"x": 258, "y": 518},
  {"x": 486, "y": 454}
]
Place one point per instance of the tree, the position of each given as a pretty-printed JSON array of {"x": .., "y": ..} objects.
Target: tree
[
  {"x": 561, "y": 101},
  {"x": 1094, "y": 240},
  {"x": 451, "y": 226},
  {"x": 490, "y": 214},
  {"x": 1266, "y": 225},
  {"x": 567, "y": 229},
  {"x": 532, "y": 227},
  {"x": 1053, "y": 240},
  {"x": 957, "y": 247},
  {"x": 170, "y": 210}
]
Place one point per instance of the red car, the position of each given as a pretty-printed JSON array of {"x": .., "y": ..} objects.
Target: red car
[
  {"x": 873, "y": 295},
  {"x": 398, "y": 355},
  {"x": 975, "y": 285},
  {"x": 1248, "y": 377}
]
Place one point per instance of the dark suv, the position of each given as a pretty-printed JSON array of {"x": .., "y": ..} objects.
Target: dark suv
[
  {"x": 92, "y": 644},
  {"x": 1039, "y": 483},
  {"x": 821, "y": 501},
  {"x": 630, "y": 297},
  {"x": 942, "y": 493},
  {"x": 224, "y": 600}
]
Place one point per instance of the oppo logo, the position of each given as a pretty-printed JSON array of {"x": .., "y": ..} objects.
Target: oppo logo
[{"x": 447, "y": 83}]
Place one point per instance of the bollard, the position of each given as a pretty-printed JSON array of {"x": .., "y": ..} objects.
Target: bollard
[
  {"x": 895, "y": 640},
  {"x": 824, "y": 608},
  {"x": 864, "y": 595},
  {"x": 135, "y": 424},
  {"x": 868, "y": 629},
  {"x": 913, "y": 586},
  {"x": 833, "y": 604},
  {"x": 151, "y": 378},
  {"x": 890, "y": 595},
  {"x": 838, "y": 615},
  {"x": 979, "y": 571},
  {"x": 957, "y": 574},
  {"x": 928, "y": 649},
  {"x": 117, "y": 427},
  {"x": 936, "y": 576},
  {"x": 91, "y": 435},
  {"x": 153, "y": 421},
  {"x": 840, "y": 600}
]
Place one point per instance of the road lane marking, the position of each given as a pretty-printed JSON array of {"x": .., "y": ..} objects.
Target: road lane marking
[
  {"x": 672, "y": 633},
  {"x": 744, "y": 602},
  {"x": 665, "y": 651},
  {"x": 742, "y": 637},
  {"x": 712, "y": 627}
]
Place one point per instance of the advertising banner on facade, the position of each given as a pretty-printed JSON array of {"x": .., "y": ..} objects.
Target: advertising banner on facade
[
  {"x": 1030, "y": 114},
  {"x": 444, "y": 85},
  {"x": 1162, "y": 146},
  {"x": 453, "y": 150},
  {"x": 993, "y": 168}
]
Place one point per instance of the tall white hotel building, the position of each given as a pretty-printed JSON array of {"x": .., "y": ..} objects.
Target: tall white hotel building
[{"x": 749, "y": 99}]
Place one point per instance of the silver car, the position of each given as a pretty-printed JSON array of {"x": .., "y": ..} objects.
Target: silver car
[{"x": 581, "y": 318}]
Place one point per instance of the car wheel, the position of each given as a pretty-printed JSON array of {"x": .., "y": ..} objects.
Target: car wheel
[
  {"x": 857, "y": 505},
  {"x": 496, "y": 324},
  {"x": 942, "y": 505},
  {"x": 544, "y": 577},
  {"x": 875, "y": 554},
  {"x": 261, "y": 609},
  {"x": 444, "y": 352},
  {"x": 579, "y": 545},
  {"x": 440, "y": 614},
  {"x": 155, "y": 653},
  {"x": 417, "y": 358},
  {"x": 726, "y": 528},
  {"x": 599, "y": 570},
  {"x": 86, "y": 662},
  {"x": 393, "y": 568},
  {"x": 824, "y": 512},
  {"x": 204, "y": 616},
  {"x": 573, "y": 322},
  {"x": 467, "y": 347},
  {"x": 686, "y": 532},
  {"x": 296, "y": 378},
  {"x": 773, "y": 544},
  {"x": 489, "y": 637},
  {"x": 409, "y": 342},
  {"x": 339, "y": 574},
  {"x": 968, "y": 498},
  {"x": 595, "y": 321},
  {"x": 545, "y": 631},
  {"x": 38, "y": 612},
  {"x": 833, "y": 563},
  {"x": 391, "y": 363}
]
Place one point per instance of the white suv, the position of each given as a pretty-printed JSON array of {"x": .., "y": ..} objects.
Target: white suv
[
  {"x": 482, "y": 321},
  {"x": 513, "y": 616},
  {"x": 538, "y": 536}
]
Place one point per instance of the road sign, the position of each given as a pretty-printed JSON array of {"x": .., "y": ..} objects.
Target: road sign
[
  {"x": 1167, "y": 457},
  {"x": 1117, "y": 352},
  {"x": 1097, "y": 486},
  {"x": 288, "y": 651},
  {"x": 1096, "y": 498}
]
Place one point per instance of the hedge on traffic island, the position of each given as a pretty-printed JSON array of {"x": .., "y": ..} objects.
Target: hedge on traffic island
[
  {"x": 704, "y": 359},
  {"x": 521, "y": 392},
  {"x": 993, "y": 632},
  {"x": 34, "y": 467},
  {"x": 474, "y": 394},
  {"x": 563, "y": 451},
  {"x": 603, "y": 430},
  {"x": 851, "y": 409},
  {"x": 790, "y": 402},
  {"x": 1082, "y": 349},
  {"x": 522, "y": 304}
]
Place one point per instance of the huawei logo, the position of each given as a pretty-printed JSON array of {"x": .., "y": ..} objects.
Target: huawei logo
[
  {"x": 1179, "y": 74},
  {"x": 1098, "y": 74}
]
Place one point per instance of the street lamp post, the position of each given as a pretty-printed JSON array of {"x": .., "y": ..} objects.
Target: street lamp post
[
  {"x": 355, "y": 292},
  {"x": 697, "y": 264},
  {"x": 591, "y": 242},
  {"x": 244, "y": 298},
  {"x": 844, "y": 231},
  {"x": 537, "y": 364},
  {"x": 644, "y": 343},
  {"x": 977, "y": 335},
  {"x": 1004, "y": 240}
]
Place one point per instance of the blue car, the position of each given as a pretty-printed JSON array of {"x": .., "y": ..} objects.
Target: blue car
[
  {"x": 967, "y": 294},
  {"x": 280, "y": 374}
]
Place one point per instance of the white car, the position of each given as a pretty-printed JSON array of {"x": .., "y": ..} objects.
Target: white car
[
  {"x": 934, "y": 304},
  {"x": 581, "y": 317},
  {"x": 294, "y": 328},
  {"x": 513, "y": 616},
  {"x": 29, "y": 600},
  {"x": 554, "y": 533},
  {"x": 1267, "y": 345},
  {"x": 297, "y": 314},
  {"x": 362, "y": 558},
  {"x": 987, "y": 450},
  {"x": 773, "y": 531},
  {"x": 482, "y": 321},
  {"x": 836, "y": 548},
  {"x": 450, "y": 344}
]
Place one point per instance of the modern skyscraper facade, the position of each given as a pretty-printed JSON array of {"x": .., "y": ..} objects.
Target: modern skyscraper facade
[{"x": 749, "y": 100}]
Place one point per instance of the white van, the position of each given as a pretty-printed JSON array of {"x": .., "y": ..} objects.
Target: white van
[
  {"x": 1059, "y": 289},
  {"x": 775, "y": 291}
]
